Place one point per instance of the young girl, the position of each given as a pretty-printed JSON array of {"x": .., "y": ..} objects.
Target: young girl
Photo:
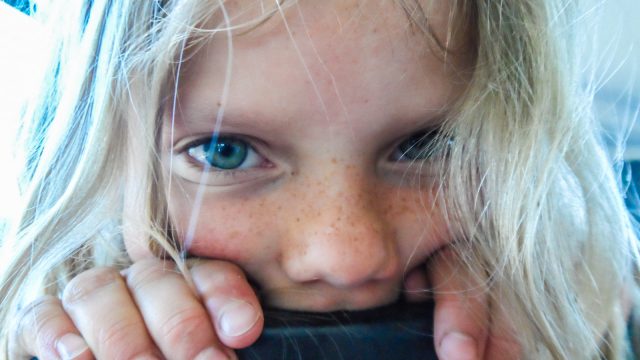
[{"x": 338, "y": 153}]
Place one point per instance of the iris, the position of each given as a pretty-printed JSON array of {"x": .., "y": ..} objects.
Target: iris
[{"x": 226, "y": 152}]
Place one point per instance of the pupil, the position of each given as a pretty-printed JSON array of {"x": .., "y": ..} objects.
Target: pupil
[
  {"x": 227, "y": 153},
  {"x": 225, "y": 150}
]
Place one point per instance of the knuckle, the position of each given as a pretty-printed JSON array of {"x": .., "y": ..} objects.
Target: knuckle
[
  {"x": 88, "y": 283},
  {"x": 40, "y": 320},
  {"x": 39, "y": 306},
  {"x": 188, "y": 323},
  {"x": 147, "y": 271},
  {"x": 211, "y": 277},
  {"x": 117, "y": 339}
]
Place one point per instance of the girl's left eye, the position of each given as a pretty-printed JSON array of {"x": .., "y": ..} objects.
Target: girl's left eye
[
  {"x": 225, "y": 153},
  {"x": 419, "y": 146}
]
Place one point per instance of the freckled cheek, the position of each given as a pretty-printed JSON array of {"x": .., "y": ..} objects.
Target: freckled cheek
[
  {"x": 238, "y": 231},
  {"x": 420, "y": 227}
]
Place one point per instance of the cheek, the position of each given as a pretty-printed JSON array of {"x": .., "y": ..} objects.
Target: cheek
[
  {"x": 235, "y": 230},
  {"x": 419, "y": 224}
]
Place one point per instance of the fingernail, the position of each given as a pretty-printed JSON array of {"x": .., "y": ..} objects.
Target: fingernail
[
  {"x": 458, "y": 346},
  {"x": 70, "y": 346},
  {"x": 211, "y": 353},
  {"x": 237, "y": 318}
]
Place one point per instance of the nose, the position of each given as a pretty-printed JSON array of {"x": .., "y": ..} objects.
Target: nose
[{"x": 340, "y": 239}]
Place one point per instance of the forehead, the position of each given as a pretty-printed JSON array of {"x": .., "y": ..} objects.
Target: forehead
[
  {"x": 336, "y": 21},
  {"x": 330, "y": 58},
  {"x": 421, "y": 13}
]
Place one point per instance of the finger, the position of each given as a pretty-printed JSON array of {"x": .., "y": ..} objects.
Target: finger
[
  {"x": 46, "y": 331},
  {"x": 175, "y": 317},
  {"x": 100, "y": 306},
  {"x": 231, "y": 302},
  {"x": 461, "y": 315},
  {"x": 501, "y": 343},
  {"x": 416, "y": 285}
]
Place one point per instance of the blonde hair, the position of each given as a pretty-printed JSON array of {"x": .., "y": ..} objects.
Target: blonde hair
[{"x": 537, "y": 209}]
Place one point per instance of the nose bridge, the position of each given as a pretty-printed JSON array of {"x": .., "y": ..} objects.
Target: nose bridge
[{"x": 339, "y": 235}]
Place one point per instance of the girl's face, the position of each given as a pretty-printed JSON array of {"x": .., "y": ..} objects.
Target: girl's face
[{"x": 311, "y": 188}]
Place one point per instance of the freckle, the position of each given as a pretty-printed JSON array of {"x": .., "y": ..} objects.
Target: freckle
[
  {"x": 219, "y": 104},
  {"x": 334, "y": 161},
  {"x": 297, "y": 219}
]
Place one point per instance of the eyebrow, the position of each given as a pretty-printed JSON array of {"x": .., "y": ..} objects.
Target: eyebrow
[{"x": 202, "y": 119}]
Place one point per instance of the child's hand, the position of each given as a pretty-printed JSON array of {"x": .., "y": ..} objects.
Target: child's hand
[
  {"x": 132, "y": 315},
  {"x": 148, "y": 313},
  {"x": 465, "y": 325}
]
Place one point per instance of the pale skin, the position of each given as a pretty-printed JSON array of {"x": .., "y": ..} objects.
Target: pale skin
[{"x": 323, "y": 214}]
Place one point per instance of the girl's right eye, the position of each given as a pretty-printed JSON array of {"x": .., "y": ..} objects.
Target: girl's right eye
[{"x": 225, "y": 153}]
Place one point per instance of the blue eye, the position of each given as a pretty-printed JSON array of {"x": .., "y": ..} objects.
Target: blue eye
[{"x": 225, "y": 153}]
